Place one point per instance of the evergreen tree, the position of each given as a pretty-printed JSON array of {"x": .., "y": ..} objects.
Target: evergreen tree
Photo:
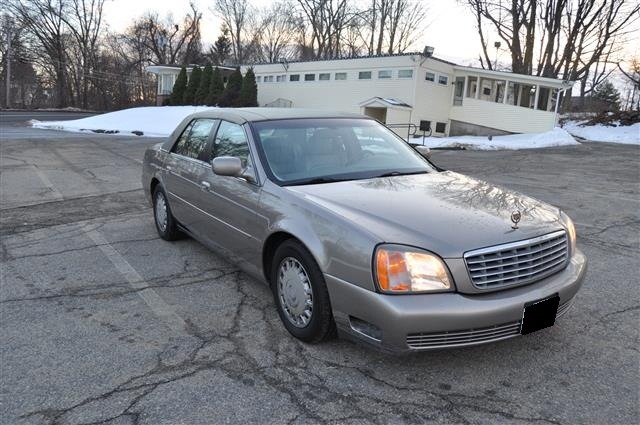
[
  {"x": 249, "y": 89},
  {"x": 192, "y": 86},
  {"x": 231, "y": 94},
  {"x": 608, "y": 93},
  {"x": 216, "y": 87},
  {"x": 203, "y": 89},
  {"x": 221, "y": 49},
  {"x": 179, "y": 87}
]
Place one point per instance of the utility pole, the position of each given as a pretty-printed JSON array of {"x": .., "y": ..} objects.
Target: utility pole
[{"x": 8, "y": 94}]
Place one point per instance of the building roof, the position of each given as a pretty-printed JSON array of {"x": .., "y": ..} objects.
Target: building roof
[
  {"x": 385, "y": 101},
  {"x": 264, "y": 114},
  {"x": 157, "y": 69},
  {"x": 551, "y": 82},
  {"x": 395, "y": 55}
]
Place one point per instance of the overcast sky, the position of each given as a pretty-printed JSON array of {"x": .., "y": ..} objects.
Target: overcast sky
[{"x": 450, "y": 26}]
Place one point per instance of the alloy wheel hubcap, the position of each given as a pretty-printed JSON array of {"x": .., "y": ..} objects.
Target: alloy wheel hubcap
[
  {"x": 294, "y": 292},
  {"x": 161, "y": 212}
]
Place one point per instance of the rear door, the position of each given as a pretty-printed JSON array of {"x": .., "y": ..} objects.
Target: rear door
[
  {"x": 232, "y": 201},
  {"x": 184, "y": 168}
]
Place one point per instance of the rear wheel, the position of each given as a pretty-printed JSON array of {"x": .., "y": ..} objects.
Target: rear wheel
[
  {"x": 165, "y": 223},
  {"x": 301, "y": 294}
]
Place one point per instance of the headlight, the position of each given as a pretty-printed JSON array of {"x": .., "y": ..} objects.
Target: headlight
[
  {"x": 571, "y": 230},
  {"x": 401, "y": 270}
]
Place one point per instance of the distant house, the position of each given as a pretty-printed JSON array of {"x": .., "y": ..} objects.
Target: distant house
[
  {"x": 166, "y": 77},
  {"x": 412, "y": 88},
  {"x": 416, "y": 88}
]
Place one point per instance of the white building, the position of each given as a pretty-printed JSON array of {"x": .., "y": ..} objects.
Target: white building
[{"x": 416, "y": 89}]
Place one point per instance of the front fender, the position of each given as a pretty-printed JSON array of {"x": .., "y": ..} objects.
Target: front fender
[{"x": 340, "y": 248}]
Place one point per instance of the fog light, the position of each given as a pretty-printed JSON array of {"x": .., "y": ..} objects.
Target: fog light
[{"x": 365, "y": 328}]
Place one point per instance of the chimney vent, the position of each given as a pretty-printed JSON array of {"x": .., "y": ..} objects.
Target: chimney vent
[{"x": 428, "y": 51}]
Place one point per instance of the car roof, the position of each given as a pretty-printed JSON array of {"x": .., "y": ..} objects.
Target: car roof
[{"x": 264, "y": 114}]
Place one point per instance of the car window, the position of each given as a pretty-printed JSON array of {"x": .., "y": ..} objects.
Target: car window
[
  {"x": 304, "y": 150},
  {"x": 193, "y": 140},
  {"x": 231, "y": 140}
]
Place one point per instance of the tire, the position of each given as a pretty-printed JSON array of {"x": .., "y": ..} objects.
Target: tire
[
  {"x": 167, "y": 228},
  {"x": 292, "y": 289}
]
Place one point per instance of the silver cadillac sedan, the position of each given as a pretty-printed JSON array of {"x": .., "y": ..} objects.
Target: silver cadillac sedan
[{"x": 358, "y": 233}]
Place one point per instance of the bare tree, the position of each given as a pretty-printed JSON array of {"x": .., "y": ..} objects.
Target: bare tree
[
  {"x": 235, "y": 14},
  {"x": 168, "y": 42},
  {"x": 328, "y": 20},
  {"x": 276, "y": 32},
  {"x": 572, "y": 35},
  {"x": 632, "y": 75},
  {"x": 43, "y": 20},
  {"x": 406, "y": 20},
  {"x": 84, "y": 19}
]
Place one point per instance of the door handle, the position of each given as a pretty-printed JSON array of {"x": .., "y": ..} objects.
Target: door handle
[{"x": 205, "y": 186}]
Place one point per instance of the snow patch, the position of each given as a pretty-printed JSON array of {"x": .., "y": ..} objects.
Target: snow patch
[
  {"x": 555, "y": 137},
  {"x": 629, "y": 134},
  {"x": 151, "y": 121}
]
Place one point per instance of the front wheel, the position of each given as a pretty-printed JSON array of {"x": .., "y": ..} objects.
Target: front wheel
[
  {"x": 301, "y": 294},
  {"x": 165, "y": 223}
]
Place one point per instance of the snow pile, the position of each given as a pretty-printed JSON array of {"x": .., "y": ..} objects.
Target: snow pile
[
  {"x": 555, "y": 137},
  {"x": 629, "y": 134},
  {"x": 152, "y": 121}
]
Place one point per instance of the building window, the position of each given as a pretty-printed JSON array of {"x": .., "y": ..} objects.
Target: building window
[
  {"x": 492, "y": 90},
  {"x": 384, "y": 74},
  {"x": 309, "y": 77},
  {"x": 472, "y": 85},
  {"x": 443, "y": 79},
  {"x": 441, "y": 127},
  {"x": 364, "y": 75},
  {"x": 280, "y": 78},
  {"x": 430, "y": 76},
  {"x": 405, "y": 73},
  {"x": 294, "y": 77},
  {"x": 544, "y": 99},
  {"x": 425, "y": 125},
  {"x": 341, "y": 76},
  {"x": 325, "y": 76},
  {"x": 268, "y": 78},
  {"x": 521, "y": 94}
]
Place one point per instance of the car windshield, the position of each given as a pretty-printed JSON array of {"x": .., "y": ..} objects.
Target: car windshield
[{"x": 308, "y": 151}]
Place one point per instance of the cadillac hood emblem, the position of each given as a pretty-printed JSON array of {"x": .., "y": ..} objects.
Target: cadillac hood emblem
[{"x": 515, "y": 219}]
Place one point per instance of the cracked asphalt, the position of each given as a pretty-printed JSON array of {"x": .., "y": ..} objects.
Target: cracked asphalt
[{"x": 101, "y": 322}]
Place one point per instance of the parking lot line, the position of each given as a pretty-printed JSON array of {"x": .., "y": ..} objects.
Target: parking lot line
[
  {"x": 157, "y": 305},
  {"x": 45, "y": 180}
]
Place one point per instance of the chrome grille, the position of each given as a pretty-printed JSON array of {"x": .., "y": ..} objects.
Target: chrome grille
[
  {"x": 460, "y": 338},
  {"x": 518, "y": 263},
  {"x": 472, "y": 336}
]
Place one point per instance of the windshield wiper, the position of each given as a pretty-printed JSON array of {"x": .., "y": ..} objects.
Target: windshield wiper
[
  {"x": 316, "y": 180},
  {"x": 401, "y": 173}
]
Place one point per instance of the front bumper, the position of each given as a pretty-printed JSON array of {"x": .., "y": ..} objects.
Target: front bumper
[{"x": 434, "y": 321}]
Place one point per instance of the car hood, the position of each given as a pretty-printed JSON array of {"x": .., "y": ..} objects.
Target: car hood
[{"x": 446, "y": 213}]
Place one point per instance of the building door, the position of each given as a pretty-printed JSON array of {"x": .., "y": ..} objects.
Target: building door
[
  {"x": 378, "y": 113},
  {"x": 458, "y": 92}
]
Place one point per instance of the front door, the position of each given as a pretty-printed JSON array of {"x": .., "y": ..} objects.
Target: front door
[{"x": 232, "y": 201}]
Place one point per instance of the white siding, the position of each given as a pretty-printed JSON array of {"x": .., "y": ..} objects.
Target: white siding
[
  {"x": 429, "y": 100},
  {"x": 338, "y": 95},
  {"x": 432, "y": 100},
  {"x": 515, "y": 119}
]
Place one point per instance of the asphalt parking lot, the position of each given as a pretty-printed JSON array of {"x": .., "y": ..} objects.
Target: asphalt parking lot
[{"x": 102, "y": 322}]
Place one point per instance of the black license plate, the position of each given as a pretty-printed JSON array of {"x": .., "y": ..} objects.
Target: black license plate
[{"x": 539, "y": 314}]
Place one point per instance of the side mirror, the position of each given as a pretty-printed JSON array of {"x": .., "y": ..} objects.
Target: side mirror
[
  {"x": 227, "y": 166},
  {"x": 424, "y": 151}
]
